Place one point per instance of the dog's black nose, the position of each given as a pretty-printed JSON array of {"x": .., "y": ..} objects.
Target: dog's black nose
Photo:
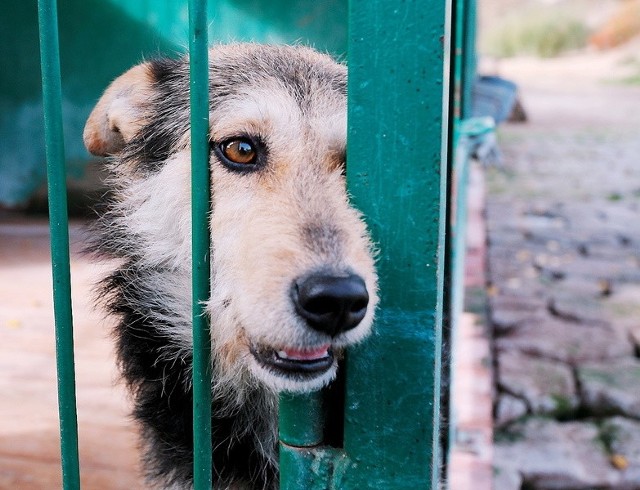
[{"x": 329, "y": 303}]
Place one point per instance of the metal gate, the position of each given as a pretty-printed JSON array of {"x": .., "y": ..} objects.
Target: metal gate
[{"x": 400, "y": 72}]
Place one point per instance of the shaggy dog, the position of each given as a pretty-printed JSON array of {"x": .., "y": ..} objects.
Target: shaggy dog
[{"x": 293, "y": 280}]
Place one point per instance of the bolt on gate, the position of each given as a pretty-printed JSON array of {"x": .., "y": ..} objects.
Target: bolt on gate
[{"x": 401, "y": 147}]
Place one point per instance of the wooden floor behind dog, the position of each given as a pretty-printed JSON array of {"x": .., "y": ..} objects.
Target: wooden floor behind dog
[{"x": 29, "y": 438}]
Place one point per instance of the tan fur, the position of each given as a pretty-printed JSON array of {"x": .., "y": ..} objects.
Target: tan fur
[{"x": 119, "y": 112}]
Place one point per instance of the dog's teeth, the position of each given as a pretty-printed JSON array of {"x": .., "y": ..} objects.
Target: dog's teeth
[{"x": 282, "y": 354}]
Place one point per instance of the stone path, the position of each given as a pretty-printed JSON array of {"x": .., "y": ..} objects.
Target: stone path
[{"x": 563, "y": 218}]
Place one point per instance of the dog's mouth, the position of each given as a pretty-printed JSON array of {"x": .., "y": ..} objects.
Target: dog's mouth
[{"x": 295, "y": 362}]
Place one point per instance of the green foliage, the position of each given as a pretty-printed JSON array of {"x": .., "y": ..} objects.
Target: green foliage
[
  {"x": 564, "y": 409},
  {"x": 608, "y": 433},
  {"x": 614, "y": 196},
  {"x": 634, "y": 77},
  {"x": 632, "y": 80},
  {"x": 544, "y": 33},
  {"x": 509, "y": 435}
]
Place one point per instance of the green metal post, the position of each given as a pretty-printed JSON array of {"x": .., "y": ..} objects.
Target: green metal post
[
  {"x": 469, "y": 57},
  {"x": 301, "y": 431},
  {"x": 200, "y": 187},
  {"x": 301, "y": 419},
  {"x": 462, "y": 128},
  {"x": 451, "y": 256},
  {"x": 58, "y": 222},
  {"x": 398, "y": 109}
]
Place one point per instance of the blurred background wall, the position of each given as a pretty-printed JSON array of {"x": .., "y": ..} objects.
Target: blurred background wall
[{"x": 100, "y": 39}]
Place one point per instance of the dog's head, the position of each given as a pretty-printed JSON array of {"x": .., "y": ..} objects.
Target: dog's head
[{"x": 293, "y": 278}]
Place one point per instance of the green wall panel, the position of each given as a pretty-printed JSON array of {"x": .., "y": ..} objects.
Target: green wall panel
[{"x": 100, "y": 39}]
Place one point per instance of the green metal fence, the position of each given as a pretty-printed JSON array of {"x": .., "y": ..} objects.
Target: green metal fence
[
  {"x": 399, "y": 102},
  {"x": 58, "y": 222},
  {"x": 465, "y": 131},
  {"x": 200, "y": 206}
]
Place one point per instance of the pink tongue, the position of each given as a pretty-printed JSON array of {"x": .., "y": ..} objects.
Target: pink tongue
[{"x": 307, "y": 355}]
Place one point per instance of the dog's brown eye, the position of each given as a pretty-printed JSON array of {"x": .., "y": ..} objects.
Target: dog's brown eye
[{"x": 239, "y": 151}]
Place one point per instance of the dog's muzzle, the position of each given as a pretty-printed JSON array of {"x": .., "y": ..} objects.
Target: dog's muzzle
[{"x": 328, "y": 303}]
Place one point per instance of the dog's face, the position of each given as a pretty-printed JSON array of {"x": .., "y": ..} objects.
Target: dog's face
[{"x": 293, "y": 278}]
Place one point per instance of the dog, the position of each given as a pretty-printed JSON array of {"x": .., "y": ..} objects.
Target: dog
[{"x": 293, "y": 279}]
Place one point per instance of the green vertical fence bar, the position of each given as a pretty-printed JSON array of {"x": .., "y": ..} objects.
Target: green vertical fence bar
[
  {"x": 465, "y": 130},
  {"x": 303, "y": 461},
  {"x": 301, "y": 419},
  {"x": 469, "y": 57},
  {"x": 398, "y": 109},
  {"x": 200, "y": 194},
  {"x": 58, "y": 222},
  {"x": 451, "y": 242},
  {"x": 464, "y": 127}
]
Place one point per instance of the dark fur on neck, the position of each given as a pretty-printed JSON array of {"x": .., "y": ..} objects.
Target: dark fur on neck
[{"x": 163, "y": 398}]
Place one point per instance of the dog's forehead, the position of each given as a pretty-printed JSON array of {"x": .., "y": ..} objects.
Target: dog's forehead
[
  {"x": 269, "y": 108},
  {"x": 278, "y": 88}
]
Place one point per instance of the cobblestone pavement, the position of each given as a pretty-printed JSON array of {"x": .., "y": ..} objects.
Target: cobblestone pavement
[{"x": 563, "y": 218}]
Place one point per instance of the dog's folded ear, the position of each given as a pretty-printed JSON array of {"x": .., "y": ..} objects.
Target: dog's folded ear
[{"x": 120, "y": 112}]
